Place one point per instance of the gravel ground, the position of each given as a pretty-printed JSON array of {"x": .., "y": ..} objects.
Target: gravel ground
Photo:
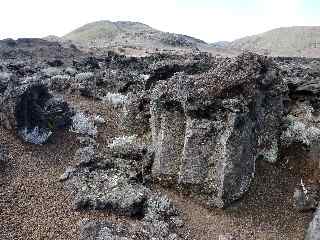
[
  {"x": 265, "y": 213},
  {"x": 34, "y": 205}
]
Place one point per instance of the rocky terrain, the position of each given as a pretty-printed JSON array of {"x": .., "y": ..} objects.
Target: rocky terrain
[{"x": 98, "y": 145}]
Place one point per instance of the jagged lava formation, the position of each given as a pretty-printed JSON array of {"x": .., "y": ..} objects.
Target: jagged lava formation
[{"x": 201, "y": 123}]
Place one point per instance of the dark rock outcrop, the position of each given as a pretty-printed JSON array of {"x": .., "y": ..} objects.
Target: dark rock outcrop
[
  {"x": 106, "y": 182},
  {"x": 31, "y": 110},
  {"x": 113, "y": 181},
  {"x": 136, "y": 114},
  {"x": 306, "y": 197},
  {"x": 156, "y": 230},
  {"x": 313, "y": 232},
  {"x": 208, "y": 129},
  {"x": 301, "y": 129}
]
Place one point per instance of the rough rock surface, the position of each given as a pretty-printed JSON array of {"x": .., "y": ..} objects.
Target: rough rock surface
[
  {"x": 84, "y": 125},
  {"x": 156, "y": 230},
  {"x": 136, "y": 113},
  {"x": 112, "y": 181},
  {"x": 209, "y": 129},
  {"x": 103, "y": 183},
  {"x": 108, "y": 190},
  {"x": 161, "y": 221},
  {"x": 300, "y": 137},
  {"x": 211, "y": 118},
  {"x": 4, "y": 155},
  {"x": 313, "y": 232},
  {"x": 33, "y": 111},
  {"x": 306, "y": 197},
  {"x": 127, "y": 147}
]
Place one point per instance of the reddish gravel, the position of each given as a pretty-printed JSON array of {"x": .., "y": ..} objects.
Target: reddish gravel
[{"x": 265, "y": 213}]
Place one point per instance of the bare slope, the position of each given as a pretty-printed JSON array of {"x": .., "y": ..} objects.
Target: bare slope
[
  {"x": 108, "y": 34},
  {"x": 287, "y": 41}
]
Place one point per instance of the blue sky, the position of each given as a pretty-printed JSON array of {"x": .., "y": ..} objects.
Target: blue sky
[{"x": 210, "y": 20}]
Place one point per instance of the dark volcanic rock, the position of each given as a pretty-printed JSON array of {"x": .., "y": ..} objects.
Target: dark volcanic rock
[
  {"x": 301, "y": 74},
  {"x": 4, "y": 155},
  {"x": 313, "y": 232},
  {"x": 110, "y": 231},
  {"x": 306, "y": 197},
  {"x": 33, "y": 111},
  {"x": 127, "y": 148},
  {"x": 103, "y": 183},
  {"x": 209, "y": 129},
  {"x": 136, "y": 113},
  {"x": 27, "y": 48},
  {"x": 301, "y": 129},
  {"x": 107, "y": 183},
  {"x": 161, "y": 222},
  {"x": 108, "y": 190}
]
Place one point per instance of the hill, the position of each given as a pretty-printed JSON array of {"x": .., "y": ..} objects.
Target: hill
[
  {"x": 105, "y": 34},
  {"x": 286, "y": 41}
]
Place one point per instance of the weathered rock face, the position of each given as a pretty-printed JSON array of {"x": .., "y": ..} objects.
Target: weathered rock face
[
  {"x": 105, "y": 183},
  {"x": 136, "y": 113},
  {"x": 209, "y": 129},
  {"x": 313, "y": 232},
  {"x": 31, "y": 110},
  {"x": 301, "y": 129}
]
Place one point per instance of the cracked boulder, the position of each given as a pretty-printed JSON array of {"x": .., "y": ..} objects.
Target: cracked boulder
[
  {"x": 31, "y": 110},
  {"x": 209, "y": 129}
]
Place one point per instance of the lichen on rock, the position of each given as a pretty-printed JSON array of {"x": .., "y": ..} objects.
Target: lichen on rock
[{"x": 208, "y": 129}]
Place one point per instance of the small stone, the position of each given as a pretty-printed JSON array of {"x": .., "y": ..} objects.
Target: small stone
[
  {"x": 99, "y": 120},
  {"x": 67, "y": 174}
]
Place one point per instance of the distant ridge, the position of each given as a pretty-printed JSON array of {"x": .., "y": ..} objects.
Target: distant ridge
[{"x": 285, "y": 41}]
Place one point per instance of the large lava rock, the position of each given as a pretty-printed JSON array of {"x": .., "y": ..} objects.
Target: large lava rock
[
  {"x": 31, "y": 110},
  {"x": 208, "y": 129}
]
